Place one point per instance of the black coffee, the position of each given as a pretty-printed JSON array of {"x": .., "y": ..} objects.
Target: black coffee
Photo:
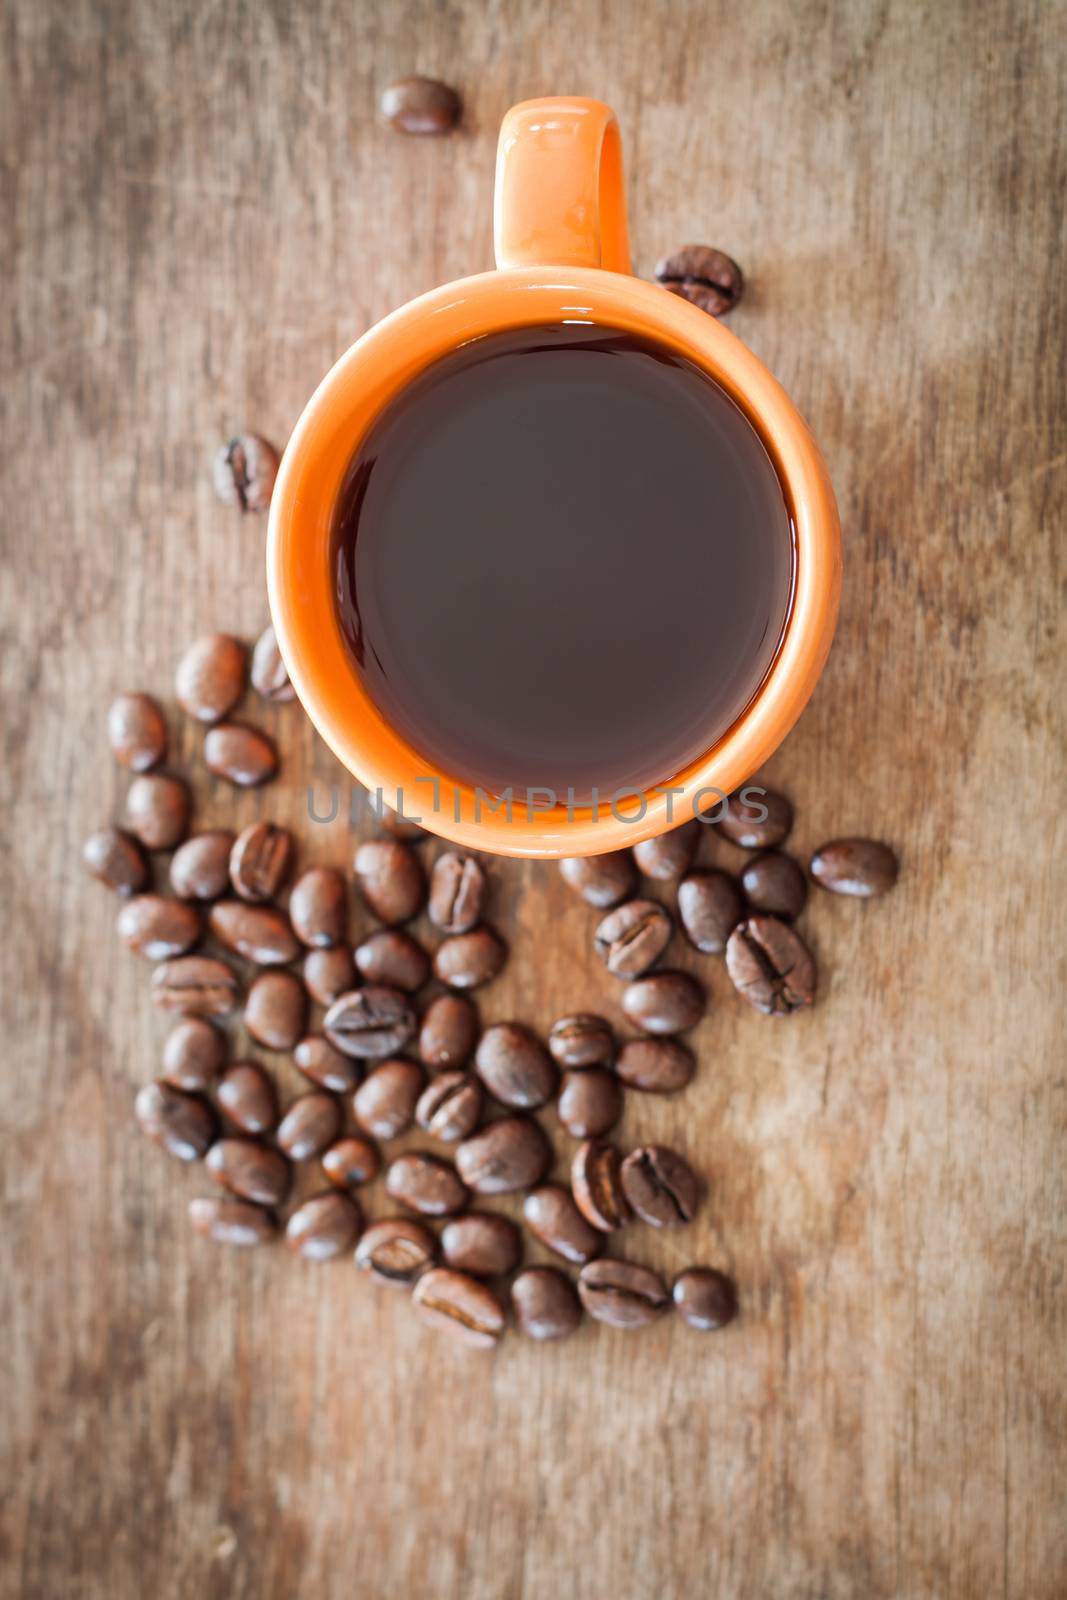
[{"x": 563, "y": 558}]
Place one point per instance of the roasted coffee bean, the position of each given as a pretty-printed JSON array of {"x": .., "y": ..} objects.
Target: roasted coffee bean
[
  {"x": 384, "y": 1104},
  {"x": 860, "y": 867},
  {"x": 392, "y": 957},
  {"x": 457, "y": 892},
  {"x": 326, "y": 1067},
  {"x": 544, "y": 1304},
  {"x": 194, "y": 1054},
  {"x": 242, "y": 755},
  {"x": 664, "y": 1002},
  {"x": 421, "y": 105},
  {"x": 621, "y": 1294},
  {"x": 515, "y": 1066},
  {"x": 449, "y": 1032},
  {"x": 460, "y": 1305},
  {"x": 310, "y": 1126},
  {"x": 318, "y": 908},
  {"x": 233, "y": 1222},
  {"x": 581, "y": 1040},
  {"x": 250, "y": 1170},
  {"x": 773, "y": 883},
  {"x": 324, "y": 1226},
  {"x": 451, "y": 1107},
  {"x": 504, "y": 1156},
  {"x": 247, "y": 1096},
  {"x": 552, "y": 1216},
  {"x": 200, "y": 868},
  {"x": 632, "y": 937},
  {"x": 671, "y": 854},
  {"x": 269, "y": 676},
  {"x": 371, "y": 1022},
  {"x": 771, "y": 966},
  {"x": 158, "y": 928},
  {"x": 260, "y": 860},
  {"x": 705, "y": 277},
  {"x": 467, "y": 960},
  {"x": 400, "y": 827},
  {"x": 596, "y": 1184},
  {"x": 197, "y": 985},
  {"x": 276, "y": 1010},
  {"x": 484, "y": 1245},
  {"x": 391, "y": 878},
  {"x": 710, "y": 907},
  {"x": 659, "y": 1185},
  {"x": 157, "y": 810},
  {"x": 706, "y": 1299},
  {"x": 656, "y": 1066},
  {"x": 260, "y": 934},
  {"x": 425, "y": 1184},
  {"x": 397, "y": 1251},
  {"x": 117, "y": 859},
  {"x": 590, "y": 1102},
  {"x": 350, "y": 1162},
  {"x": 328, "y": 974},
  {"x": 180, "y": 1123},
  {"x": 136, "y": 732},
  {"x": 211, "y": 677},
  {"x": 244, "y": 472},
  {"x": 600, "y": 880},
  {"x": 755, "y": 818}
]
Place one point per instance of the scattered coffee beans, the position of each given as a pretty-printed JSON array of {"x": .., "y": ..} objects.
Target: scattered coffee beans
[
  {"x": 706, "y": 1299},
  {"x": 659, "y": 1186},
  {"x": 117, "y": 859},
  {"x": 261, "y": 934},
  {"x": 451, "y": 1107},
  {"x": 310, "y": 1125},
  {"x": 197, "y": 985},
  {"x": 582, "y": 1040},
  {"x": 710, "y": 907},
  {"x": 600, "y": 880},
  {"x": 449, "y": 1032},
  {"x": 425, "y": 1184},
  {"x": 244, "y": 472},
  {"x": 621, "y": 1294},
  {"x": 553, "y": 1217},
  {"x": 242, "y": 755},
  {"x": 157, "y": 810},
  {"x": 705, "y": 277},
  {"x": 671, "y": 853},
  {"x": 328, "y": 974},
  {"x": 269, "y": 677},
  {"x": 371, "y": 1022},
  {"x": 351, "y": 1162},
  {"x": 392, "y": 957},
  {"x": 457, "y": 892},
  {"x": 276, "y": 1010},
  {"x": 515, "y": 1066},
  {"x": 510, "y": 1154},
  {"x": 596, "y": 1183},
  {"x": 318, "y": 908},
  {"x": 467, "y": 960},
  {"x": 664, "y": 1002},
  {"x": 158, "y": 928},
  {"x": 325, "y": 1066},
  {"x": 421, "y": 106},
  {"x": 233, "y": 1222},
  {"x": 323, "y": 1227},
  {"x": 250, "y": 1170},
  {"x": 136, "y": 732},
  {"x": 755, "y": 818},
  {"x": 773, "y": 883},
  {"x": 247, "y": 1097},
  {"x": 181, "y": 1124},
  {"x": 397, "y": 1251},
  {"x": 771, "y": 966},
  {"x": 460, "y": 1305},
  {"x": 656, "y": 1066},
  {"x": 632, "y": 938},
  {"x": 390, "y": 876},
  {"x": 200, "y": 868},
  {"x": 860, "y": 867},
  {"x": 384, "y": 1104},
  {"x": 544, "y": 1304},
  {"x": 259, "y": 861},
  {"x": 193, "y": 1055},
  {"x": 484, "y": 1245}
]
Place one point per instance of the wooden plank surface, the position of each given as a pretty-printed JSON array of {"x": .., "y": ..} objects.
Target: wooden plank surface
[{"x": 199, "y": 214}]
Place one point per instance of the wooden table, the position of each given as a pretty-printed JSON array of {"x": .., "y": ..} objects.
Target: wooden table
[{"x": 200, "y": 213}]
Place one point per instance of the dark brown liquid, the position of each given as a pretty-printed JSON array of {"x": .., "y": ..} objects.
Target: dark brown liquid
[{"x": 563, "y": 557}]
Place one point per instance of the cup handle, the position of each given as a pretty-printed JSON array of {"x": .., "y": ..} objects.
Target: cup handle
[{"x": 559, "y": 199}]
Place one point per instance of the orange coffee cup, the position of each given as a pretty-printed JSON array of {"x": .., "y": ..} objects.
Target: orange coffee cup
[{"x": 561, "y": 251}]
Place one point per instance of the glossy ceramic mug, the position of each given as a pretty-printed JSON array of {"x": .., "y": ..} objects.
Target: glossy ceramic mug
[{"x": 561, "y": 251}]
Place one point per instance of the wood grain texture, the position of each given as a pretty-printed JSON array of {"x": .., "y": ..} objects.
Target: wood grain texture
[{"x": 199, "y": 212}]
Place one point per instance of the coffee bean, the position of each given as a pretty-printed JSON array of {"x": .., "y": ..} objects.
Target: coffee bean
[
  {"x": 242, "y": 755},
  {"x": 351, "y": 1162},
  {"x": 467, "y": 960},
  {"x": 705, "y": 277},
  {"x": 581, "y": 1040},
  {"x": 544, "y": 1304},
  {"x": 197, "y": 985},
  {"x": 400, "y": 827},
  {"x": 180, "y": 1123},
  {"x": 755, "y": 818},
  {"x": 259, "y": 860},
  {"x": 328, "y": 974},
  {"x": 771, "y": 966},
  {"x": 632, "y": 937},
  {"x": 371, "y": 1022},
  {"x": 391, "y": 878},
  {"x": 671, "y": 853},
  {"x": 393, "y": 957},
  {"x": 310, "y": 1125},
  {"x": 323, "y": 1227},
  {"x": 451, "y": 1107},
  {"x": 659, "y": 1185},
  {"x": 484, "y": 1245},
  {"x": 260, "y": 934},
  {"x": 515, "y": 1066},
  {"x": 460, "y": 1305},
  {"x": 773, "y": 883},
  {"x": 656, "y": 1066},
  {"x": 136, "y": 732},
  {"x": 396, "y": 1251},
  {"x": 597, "y": 1185},
  {"x": 457, "y": 892},
  {"x": 194, "y": 1054},
  {"x": 117, "y": 859},
  {"x": 860, "y": 867},
  {"x": 449, "y": 1031},
  {"x": 510, "y": 1154},
  {"x": 425, "y": 1184},
  {"x": 244, "y": 472},
  {"x": 326, "y": 1067},
  {"x": 269, "y": 676},
  {"x": 622, "y": 1294},
  {"x": 318, "y": 908},
  {"x": 710, "y": 907},
  {"x": 233, "y": 1222},
  {"x": 600, "y": 880},
  {"x": 247, "y": 1097},
  {"x": 590, "y": 1102},
  {"x": 421, "y": 105},
  {"x": 211, "y": 677},
  {"x": 706, "y": 1299},
  {"x": 276, "y": 1010},
  {"x": 200, "y": 868},
  {"x": 384, "y": 1104},
  {"x": 552, "y": 1216},
  {"x": 250, "y": 1170},
  {"x": 664, "y": 1002},
  {"x": 157, "y": 810},
  {"x": 158, "y": 928}
]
